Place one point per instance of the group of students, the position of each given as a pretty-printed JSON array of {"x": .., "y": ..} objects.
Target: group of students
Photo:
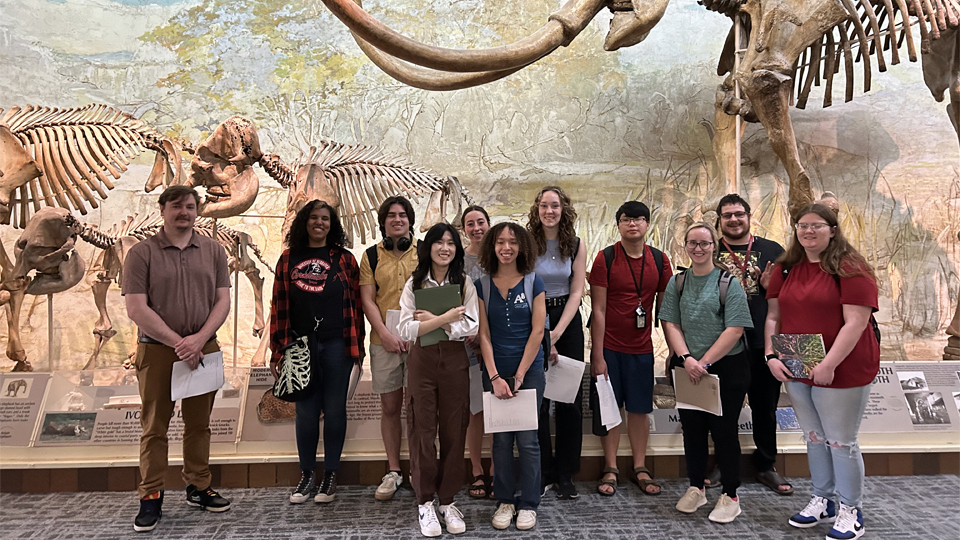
[{"x": 521, "y": 290}]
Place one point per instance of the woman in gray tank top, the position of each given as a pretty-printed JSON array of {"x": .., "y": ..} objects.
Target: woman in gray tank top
[
  {"x": 476, "y": 223},
  {"x": 561, "y": 264}
]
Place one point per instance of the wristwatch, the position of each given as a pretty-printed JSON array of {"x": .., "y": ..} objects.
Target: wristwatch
[
  {"x": 770, "y": 357},
  {"x": 683, "y": 357}
]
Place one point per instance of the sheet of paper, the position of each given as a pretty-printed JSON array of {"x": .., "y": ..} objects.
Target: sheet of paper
[
  {"x": 186, "y": 382},
  {"x": 609, "y": 412},
  {"x": 393, "y": 321},
  {"x": 701, "y": 397},
  {"x": 518, "y": 413},
  {"x": 476, "y": 389},
  {"x": 564, "y": 379},
  {"x": 355, "y": 374}
]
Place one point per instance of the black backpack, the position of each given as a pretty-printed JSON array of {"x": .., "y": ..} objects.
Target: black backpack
[{"x": 873, "y": 321}]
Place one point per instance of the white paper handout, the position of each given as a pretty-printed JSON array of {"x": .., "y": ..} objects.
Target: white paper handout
[
  {"x": 476, "y": 389},
  {"x": 518, "y": 413},
  {"x": 355, "y": 374},
  {"x": 609, "y": 412},
  {"x": 704, "y": 396},
  {"x": 392, "y": 322},
  {"x": 564, "y": 379},
  {"x": 208, "y": 377}
]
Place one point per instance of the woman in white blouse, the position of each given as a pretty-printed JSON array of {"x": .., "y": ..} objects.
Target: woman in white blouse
[{"x": 438, "y": 381}]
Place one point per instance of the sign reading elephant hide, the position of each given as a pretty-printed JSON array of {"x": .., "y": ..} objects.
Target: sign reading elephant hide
[{"x": 21, "y": 395}]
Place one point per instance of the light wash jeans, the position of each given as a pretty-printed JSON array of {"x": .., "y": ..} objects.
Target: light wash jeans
[
  {"x": 528, "y": 448},
  {"x": 830, "y": 419}
]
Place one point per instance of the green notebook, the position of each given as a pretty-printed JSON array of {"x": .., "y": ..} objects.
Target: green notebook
[{"x": 438, "y": 301}]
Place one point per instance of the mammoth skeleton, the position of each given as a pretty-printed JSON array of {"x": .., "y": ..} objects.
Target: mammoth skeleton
[{"x": 825, "y": 32}]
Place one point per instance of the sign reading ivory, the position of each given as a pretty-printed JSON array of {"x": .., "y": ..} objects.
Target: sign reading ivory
[{"x": 21, "y": 395}]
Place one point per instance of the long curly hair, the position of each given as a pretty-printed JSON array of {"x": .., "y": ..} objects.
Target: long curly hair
[
  {"x": 297, "y": 237},
  {"x": 425, "y": 263},
  {"x": 568, "y": 218},
  {"x": 839, "y": 258},
  {"x": 526, "y": 258}
]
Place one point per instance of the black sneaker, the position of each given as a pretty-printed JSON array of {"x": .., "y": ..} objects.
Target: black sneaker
[
  {"x": 328, "y": 487},
  {"x": 208, "y": 499},
  {"x": 566, "y": 490},
  {"x": 149, "y": 514},
  {"x": 305, "y": 489}
]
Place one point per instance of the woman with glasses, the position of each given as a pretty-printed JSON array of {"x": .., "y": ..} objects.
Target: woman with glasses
[
  {"x": 822, "y": 285},
  {"x": 562, "y": 264},
  {"x": 704, "y": 313}
]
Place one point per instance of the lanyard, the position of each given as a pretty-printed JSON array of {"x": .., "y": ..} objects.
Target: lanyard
[
  {"x": 736, "y": 260},
  {"x": 643, "y": 266}
]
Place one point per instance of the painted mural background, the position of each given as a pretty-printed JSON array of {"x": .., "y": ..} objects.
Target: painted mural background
[{"x": 605, "y": 126}]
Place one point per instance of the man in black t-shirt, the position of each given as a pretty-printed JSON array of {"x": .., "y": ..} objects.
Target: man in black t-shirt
[{"x": 750, "y": 258}]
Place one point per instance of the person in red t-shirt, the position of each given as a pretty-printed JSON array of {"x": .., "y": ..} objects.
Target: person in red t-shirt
[
  {"x": 623, "y": 315},
  {"x": 822, "y": 285}
]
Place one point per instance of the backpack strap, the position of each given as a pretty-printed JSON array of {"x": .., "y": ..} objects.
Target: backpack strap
[
  {"x": 487, "y": 284},
  {"x": 608, "y": 255},
  {"x": 528, "y": 288},
  {"x": 372, "y": 256},
  {"x": 678, "y": 283}
]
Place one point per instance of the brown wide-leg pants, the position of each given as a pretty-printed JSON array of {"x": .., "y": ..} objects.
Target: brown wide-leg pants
[
  {"x": 438, "y": 396},
  {"x": 154, "y": 367}
]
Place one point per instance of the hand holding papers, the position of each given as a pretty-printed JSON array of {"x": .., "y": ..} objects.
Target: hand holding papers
[
  {"x": 609, "y": 411},
  {"x": 704, "y": 396},
  {"x": 564, "y": 379},
  {"x": 208, "y": 377},
  {"x": 518, "y": 413}
]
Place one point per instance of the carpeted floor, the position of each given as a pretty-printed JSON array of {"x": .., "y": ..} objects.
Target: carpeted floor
[{"x": 902, "y": 507}]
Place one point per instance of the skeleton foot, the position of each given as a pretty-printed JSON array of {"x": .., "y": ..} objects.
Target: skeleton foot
[{"x": 22, "y": 365}]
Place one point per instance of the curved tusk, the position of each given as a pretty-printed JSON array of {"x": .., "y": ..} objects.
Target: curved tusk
[
  {"x": 429, "y": 79},
  {"x": 630, "y": 27},
  {"x": 561, "y": 28}
]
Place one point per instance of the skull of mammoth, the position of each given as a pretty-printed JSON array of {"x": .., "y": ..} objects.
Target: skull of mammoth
[
  {"x": 223, "y": 164},
  {"x": 47, "y": 247}
]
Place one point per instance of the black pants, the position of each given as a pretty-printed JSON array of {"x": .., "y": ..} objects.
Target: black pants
[
  {"x": 764, "y": 394},
  {"x": 565, "y": 461},
  {"x": 734, "y": 373}
]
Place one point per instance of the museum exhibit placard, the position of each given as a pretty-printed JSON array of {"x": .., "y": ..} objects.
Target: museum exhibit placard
[{"x": 21, "y": 398}]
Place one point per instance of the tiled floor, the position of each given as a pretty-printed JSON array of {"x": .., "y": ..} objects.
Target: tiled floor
[{"x": 902, "y": 507}]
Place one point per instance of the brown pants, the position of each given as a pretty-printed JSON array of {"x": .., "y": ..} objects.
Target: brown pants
[
  {"x": 154, "y": 367},
  {"x": 438, "y": 393}
]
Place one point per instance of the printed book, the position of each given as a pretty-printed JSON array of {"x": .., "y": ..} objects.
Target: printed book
[{"x": 799, "y": 352}]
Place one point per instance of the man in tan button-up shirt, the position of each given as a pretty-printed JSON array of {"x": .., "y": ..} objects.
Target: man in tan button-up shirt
[{"x": 177, "y": 290}]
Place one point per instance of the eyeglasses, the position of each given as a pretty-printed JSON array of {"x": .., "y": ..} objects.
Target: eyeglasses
[
  {"x": 811, "y": 226},
  {"x": 632, "y": 220},
  {"x": 693, "y": 244},
  {"x": 731, "y": 215}
]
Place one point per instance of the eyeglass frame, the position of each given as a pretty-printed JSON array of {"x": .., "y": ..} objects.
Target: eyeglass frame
[
  {"x": 624, "y": 220},
  {"x": 738, "y": 215},
  {"x": 816, "y": 227},
  {"x": 698, "y": 244}
]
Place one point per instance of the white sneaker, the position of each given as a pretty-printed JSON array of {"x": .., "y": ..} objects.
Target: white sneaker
[
  {"x": 694, "y": 498},
  {"x": 849, "y": 524},
  {"x": 503, "y": 516},
  {"x": 453, "y": 518},
  {"x": 818, "y": 510},
  {"x": 526, "y": 520},
  {"x": 726, "y": 510},
  {"x": 429, "y": 525},
  {"x": 388, "y": 486}
]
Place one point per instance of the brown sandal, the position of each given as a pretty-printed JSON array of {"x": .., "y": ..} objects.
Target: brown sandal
[
  {"x": 773, "y": 480},
  {"x": 644, "y": 483},
  {"x": 612, "y": 483},
  {"x": 479, "y": 488}
]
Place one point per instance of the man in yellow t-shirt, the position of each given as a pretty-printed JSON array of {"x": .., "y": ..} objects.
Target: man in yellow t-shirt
[{"x": 384, "y": 269}]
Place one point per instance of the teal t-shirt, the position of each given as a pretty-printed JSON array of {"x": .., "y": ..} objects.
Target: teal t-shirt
[{"x": 698, "y": 310}]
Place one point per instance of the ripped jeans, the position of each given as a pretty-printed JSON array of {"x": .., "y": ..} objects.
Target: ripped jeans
[{"x": 830, "y": 419}]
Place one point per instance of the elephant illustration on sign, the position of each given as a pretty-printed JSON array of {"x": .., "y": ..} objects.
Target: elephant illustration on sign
[{"x": 14, "y": 387}]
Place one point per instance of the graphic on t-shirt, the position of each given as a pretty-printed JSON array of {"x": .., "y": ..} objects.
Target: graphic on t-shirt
[
  {"x": 520, "y": 299},
  {"x": 751, "y": 283},
  {"x": 310, "y": 275}
]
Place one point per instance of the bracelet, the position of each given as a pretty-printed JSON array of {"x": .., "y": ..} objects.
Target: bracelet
[
  {"x": 683, "y": 357},
  {"x": 770, "y": 357},
  {"x": 495, "y": 377}
]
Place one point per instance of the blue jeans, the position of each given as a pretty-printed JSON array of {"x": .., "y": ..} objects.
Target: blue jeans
[
  {"x": 528, "y": 447},
  {"x": 830, "y": 419},
  {"x": 329, "y": 397}
]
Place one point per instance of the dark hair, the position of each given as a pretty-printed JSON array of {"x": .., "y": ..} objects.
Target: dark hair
[
  {"x": 385, "y": 209},
  {"x": 297, "y": 237},
  {"x": 633, "y": 209},
  {"x": 473, "y": 208},
  {"x": 729, "y": 199},
  {"x": 840, "y": 258},
  {"x": 425, "y": 263},
  {"x": 568, "y": 217},
  {"x": 174, "y": 193},
  {"x": 526, "y": 257}
]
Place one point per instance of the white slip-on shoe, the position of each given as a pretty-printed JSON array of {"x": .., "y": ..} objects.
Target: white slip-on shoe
[
  {"x": 726, "y": 509},
  {"x": 429, "y": 524},
  {"x": 388, "y": 486},
  {"x": 452, "y": 517},
  {"x": 694, "y": 498},
  {"x": 503, "y": 516}
]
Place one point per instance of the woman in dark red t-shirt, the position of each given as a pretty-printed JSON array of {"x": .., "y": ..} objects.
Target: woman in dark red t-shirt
[{"x": 822, "y": 285}]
